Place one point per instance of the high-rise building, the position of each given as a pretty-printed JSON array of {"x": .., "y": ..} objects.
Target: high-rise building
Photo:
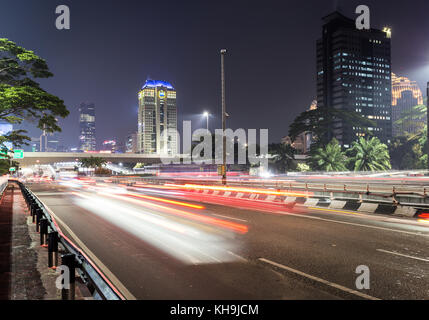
[
  {"x": 157, "y": 120},
  {"x": 52, "y": 143},
  {"x": 87, "y": 127},
  {"x": 405, "y": 95},
  {"x": 354, "y": 74},
  {"x": 131, "y": 143},
  {"x": 109, "y": 146}
]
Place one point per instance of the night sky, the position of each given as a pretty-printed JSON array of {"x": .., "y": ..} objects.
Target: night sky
[{"x": 114, "y": 46}]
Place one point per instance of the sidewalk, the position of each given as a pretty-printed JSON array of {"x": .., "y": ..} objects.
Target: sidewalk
[
  {"x": 21, "y": 272},
  {"x": 6, "y": 204}
]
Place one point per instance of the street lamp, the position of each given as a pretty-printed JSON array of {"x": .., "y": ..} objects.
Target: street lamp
[
  {"x": 206, "y": 114},
  {"x": 222, "y": 61}
]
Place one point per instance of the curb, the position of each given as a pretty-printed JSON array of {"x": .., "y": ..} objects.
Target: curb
[{"x": 352, "y": 205}]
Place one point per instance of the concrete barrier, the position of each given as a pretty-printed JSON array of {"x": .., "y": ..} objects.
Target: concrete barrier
[
  {"x": 337, "y": 204},
  {"x": 405, "y": 211},
  {"x": 271, "y": 198},
  {"x": 311, "y": 202},
  {"x": 368, "y": 207},
  {"x": 289, "y": 199}
]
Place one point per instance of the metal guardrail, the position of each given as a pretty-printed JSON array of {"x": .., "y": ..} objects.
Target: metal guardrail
[
  {"x": 74, "y": 258},
  {"x": 399, "y": 195}
]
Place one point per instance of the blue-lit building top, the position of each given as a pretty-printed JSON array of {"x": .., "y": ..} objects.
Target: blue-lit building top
[
  {"x": 157, "y": 118},
  {"x": 157, "y": 83}
]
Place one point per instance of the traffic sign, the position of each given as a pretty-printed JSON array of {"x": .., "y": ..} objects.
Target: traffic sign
[
  {"x": 18, "y": 154},
  {"x": 12, "y": 169}
]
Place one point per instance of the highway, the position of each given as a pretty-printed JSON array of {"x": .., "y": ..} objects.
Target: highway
[{"x": 160, "y": 242}]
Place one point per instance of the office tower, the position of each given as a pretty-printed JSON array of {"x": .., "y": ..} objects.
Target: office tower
[
  {"x": 52, "y": 143},
  {"x": 405, "y": 95},
  {"x": 354, "y": 74},
  {"x": 157, "y": 119},
  {"x": 87, "y": 127},
  {"x": 131, "y": 143},
  {"x": 109, "y": 146}
]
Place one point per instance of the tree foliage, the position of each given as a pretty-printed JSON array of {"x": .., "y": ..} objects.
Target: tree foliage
[
  {"x": 369, "y": 155},
  {"x": 320, "y": 122},
  {"x": 21, "y": 97},
  {"x": 92, "y": 162},
  {"x": 283, "y": 156},
  {"x": 5, "y": 165},
  {"x": 410, "y": 150},
  {"x": 415, "y": 117},
  {"x": 328, "y": 158}
]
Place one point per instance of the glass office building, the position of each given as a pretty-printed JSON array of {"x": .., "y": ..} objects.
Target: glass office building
[
  {"x": 87, "y": 140},
  {"x": 354, "y": 74}
]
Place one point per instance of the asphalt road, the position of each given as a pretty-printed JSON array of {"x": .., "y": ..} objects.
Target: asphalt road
[{"x": 152, "y": 248}]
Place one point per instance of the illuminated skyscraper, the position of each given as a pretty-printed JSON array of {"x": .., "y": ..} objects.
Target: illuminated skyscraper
[
  {"x": 354, "y": 74},
  {"x": 157, "y": 120},
  {"x": 87, "y": 127},
  {"x": 131, "y": 143},
  {"x": 405, "y": 95},
  {"x": 109, "y": 146}
]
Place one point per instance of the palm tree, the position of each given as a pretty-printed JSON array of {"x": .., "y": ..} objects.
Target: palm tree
[
  {"x": 329, "y": 158},
  {"x": 369, "y": 155},
  {"x": 283, "y": 156},
  {"x": 92, "y": 162}
]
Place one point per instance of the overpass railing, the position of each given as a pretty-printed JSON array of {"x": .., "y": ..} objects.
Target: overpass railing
[
  {"x": 73, "y": 258},
  {"x": 396, "y": 194}
]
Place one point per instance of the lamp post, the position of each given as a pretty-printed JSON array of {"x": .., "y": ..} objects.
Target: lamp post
[
  {"x": 427, "y": 122},
  {"x": 222, "y": 57},
  {"x": 206, "y": 114}
]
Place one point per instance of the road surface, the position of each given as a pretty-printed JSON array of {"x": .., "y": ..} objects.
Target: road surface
[{"x": 167, "y": 244}]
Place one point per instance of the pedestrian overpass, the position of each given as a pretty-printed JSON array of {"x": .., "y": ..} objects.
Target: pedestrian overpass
[{"x": 34, "y": 158}]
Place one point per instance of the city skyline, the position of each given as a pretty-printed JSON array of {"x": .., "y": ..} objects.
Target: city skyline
[
  {"x": 245, "y": 66},
  {"x": 217, "y": 156}
]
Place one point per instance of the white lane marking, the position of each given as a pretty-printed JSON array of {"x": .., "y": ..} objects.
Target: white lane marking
[
  {"x": 237, "y": 256},
  {"x": 352, "y": 224},
  {"x": 403, "y": 255},
  {"x": 331, "y": 284},
  {"x": 47, "y": 194},
  {"x": 219, "y": 215},
  {"x": 118, "y": 284}
]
